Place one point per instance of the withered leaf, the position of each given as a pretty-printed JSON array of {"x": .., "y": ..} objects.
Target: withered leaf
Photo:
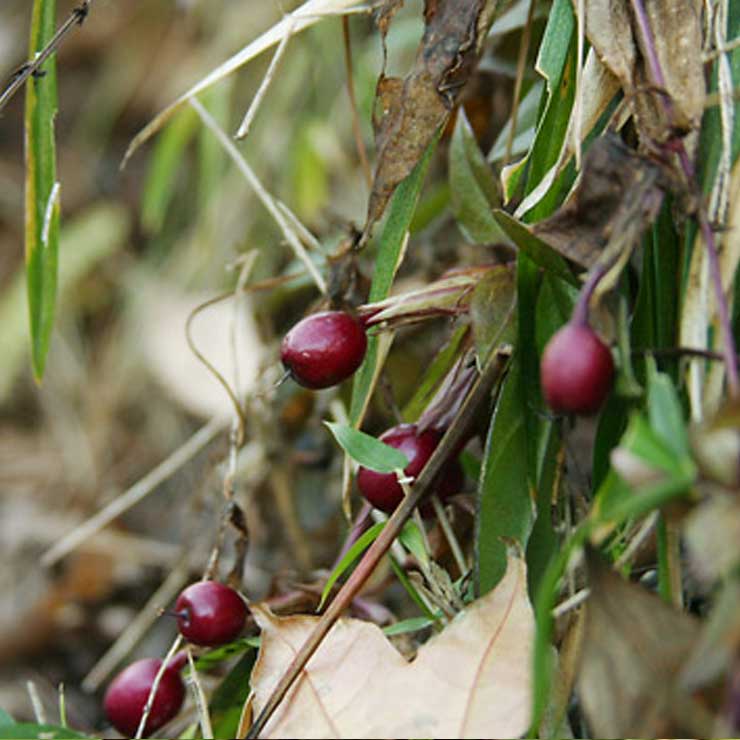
[
  {"x": 471, "y": 680},
  {"x": 493, "y": 311},
  {"x": 617, "y": 198},
  {"x": 409, "y": 112},
  {"x": 634, "y": 647},
  {"x": 676, "y": 41}
]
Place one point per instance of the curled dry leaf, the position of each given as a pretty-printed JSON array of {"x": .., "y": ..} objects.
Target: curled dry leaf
[
  {"x": 634, "y": 648},
  {"x": 617, "y": 198},
  {"x": 471, "y": 680},
  {"x": 675, "y": 27},
  {"x": 409, "y": 112}
]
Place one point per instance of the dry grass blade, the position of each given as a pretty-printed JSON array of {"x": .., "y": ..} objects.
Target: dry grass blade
[
  {"x": 134, "y": 494},
  {"x": 303, "y": 17},
  {"x": 267, "y": 200}
]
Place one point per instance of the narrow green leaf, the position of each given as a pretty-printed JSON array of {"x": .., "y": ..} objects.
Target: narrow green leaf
[
  {"x": 493, "y": 311},
  {"x": 412, "y": 539},
  {"x": 360, "y": 545},
  {"x": 367, "y": 450},
  {"x": 410, "y": 589},
  {"x": 42, "y": 189},
  {"x": 526, "y": 120},
  {"x": 665, "y": 412},
  {"x": 557, "y": 97},
  {"x": 441, "y": 364},
  {"x": 212, "y": 658},
  {"x": 473, "y": 189},
  {"x": 538, "y": 251},
  {"x": 159, "y": 189},
  {"x": 505, "y": 506},
  {"x": 414, "y": 624},
  {"x": 5, "y": 718},
  {"x": 390, "y": 253},
  {"x": 29, "y": 731},
  {"x": 228, "y": 699}
]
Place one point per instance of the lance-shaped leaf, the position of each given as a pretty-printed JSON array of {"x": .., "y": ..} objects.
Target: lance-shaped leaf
[
  {"x": 470, "y": 680},
  {"x": 42, "y": 189}
]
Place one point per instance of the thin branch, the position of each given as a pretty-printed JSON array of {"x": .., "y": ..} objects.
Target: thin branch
[
  {"x": 33, "y": 66},
  {"x": 478, "y": 395},
  {"x": 155, "y": 686}
]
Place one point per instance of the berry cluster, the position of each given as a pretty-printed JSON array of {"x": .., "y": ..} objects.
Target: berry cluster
[{"x": 208, "y": 613}]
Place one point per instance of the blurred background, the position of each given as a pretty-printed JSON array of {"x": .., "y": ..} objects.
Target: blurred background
[{"x": 141, "y": 248}]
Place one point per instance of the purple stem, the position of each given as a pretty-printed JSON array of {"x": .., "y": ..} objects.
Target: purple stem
[
  {"x": 656, "y": 72},
  {"x": 580, "y": 312}
]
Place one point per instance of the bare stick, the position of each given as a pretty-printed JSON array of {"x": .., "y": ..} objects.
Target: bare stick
[
  {"x": 201, "y": 703},
  {"x": 267, "y": 200},
  {"x": 658, "y": 79},
  {"x": 134, "y": 494},
  {"x": 33, "y": 66},
  {"x": 449, "y": 533},
  {"x": 492, "y": 372},
  {"x": 38, "y": 707}
]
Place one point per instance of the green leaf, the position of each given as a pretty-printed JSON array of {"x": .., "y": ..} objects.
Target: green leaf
[
  {"x": 557, "y": 98},
  {"x": 538, "y": 251},
  {"x": 436, "y": 372},
  {"x": 159, "y": 189},
  {"x": 367, "y": 450},
  {"x": 359, "y": 546},
  {"x": 411, "y": 589},
  {"x": 505, "y": 506},
  {"x": 473, "y": 189},
  {"x": 5, "y": 718},
  {"x": 493, "y": 311},
  {"x": 412, "y": 539},
  {"x": 29, "y": 731},
  {"x": 212, "y": 658},
  {"x": 526, "y": 120},
  {"x": 390, "y": 254},
  {"x": 414, "y": 624},
  {"x": 228, "y": 699},
  {"x": 42, "y": 189},
  {"x": 665, "y": 412}
]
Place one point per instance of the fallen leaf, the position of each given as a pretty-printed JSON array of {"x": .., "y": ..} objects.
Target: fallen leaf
[
  {"x": 618, "y": 196},
  {"x": 409, "y": 112},
  {"x": 634, "y": 647},
  {"x": 470, "y": 680}
]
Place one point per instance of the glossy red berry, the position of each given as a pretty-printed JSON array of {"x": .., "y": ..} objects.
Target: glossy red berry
[
  {"x": 210, "y": 613},
  {"x": 127, "y": 695},
  {"x": 324, "y": 349},
  {"x": 383, "y": 491},
  {"x": 577, "y": 370}
]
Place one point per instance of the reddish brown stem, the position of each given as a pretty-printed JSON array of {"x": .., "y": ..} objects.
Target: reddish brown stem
[{"x": 452, "y": 438}]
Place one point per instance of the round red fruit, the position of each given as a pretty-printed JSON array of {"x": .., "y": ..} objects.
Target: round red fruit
[
  {"x": 577, "y": 370},
  {"x": 384, "y": 492},
  {"x": 210, "y": 613},
  {"x": 324, "y": 349},
  {"x": 127, "y": 695}
]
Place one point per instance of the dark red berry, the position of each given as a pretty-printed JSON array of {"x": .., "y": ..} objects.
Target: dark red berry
[
  {"x": 384, "y": 492},
  {"x": 210, "y": 613},
  {"x": 127, "y": 695},
  {"x": 577, "y": 370},
  {"x": 324, "y": 349}
]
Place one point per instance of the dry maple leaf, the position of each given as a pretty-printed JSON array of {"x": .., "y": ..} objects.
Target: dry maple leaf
[{"x": 470, "y": 680}]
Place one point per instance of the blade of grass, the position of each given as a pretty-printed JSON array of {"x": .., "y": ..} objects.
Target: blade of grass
[
  {"x": 390, "y": 255},
  {"x": 42, "y": 189}
]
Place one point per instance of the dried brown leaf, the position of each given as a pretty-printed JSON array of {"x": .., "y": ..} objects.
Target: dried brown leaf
[
  {"x": 409, "y": 112},
  {"x": 634, "y": 648},
  {"x": 675, "y": 28},
  {"x": 618, "y": 196},
  {"x": 471, "y": 680}
]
